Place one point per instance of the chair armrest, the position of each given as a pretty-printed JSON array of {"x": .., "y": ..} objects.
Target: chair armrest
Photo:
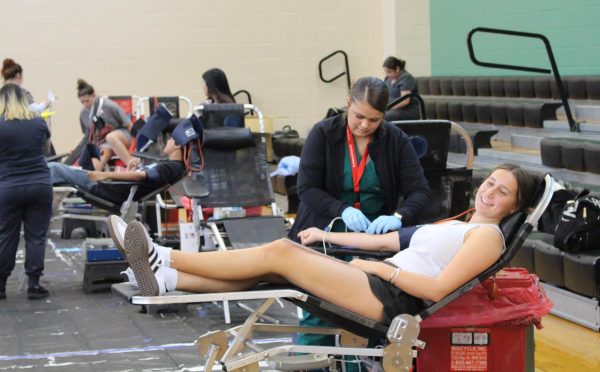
[
  {"x": 120, "y": 183},
  {"x": 57, "y": 157},
  {"x": 350, "y": 251},
  {"x": 147, "y": 156}
]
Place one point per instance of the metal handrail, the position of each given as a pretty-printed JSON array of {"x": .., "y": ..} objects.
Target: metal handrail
[
  {"x": 244, "y": 91},
  {"x": 573, "y": 125},
  {"x": 346, "y": 72},
  {"x": 407, "y": 96},
  {"x": 248, "y": 96}
]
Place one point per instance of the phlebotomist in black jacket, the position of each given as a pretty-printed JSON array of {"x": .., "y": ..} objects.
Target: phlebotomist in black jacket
[{"x": 360, "y": 168}]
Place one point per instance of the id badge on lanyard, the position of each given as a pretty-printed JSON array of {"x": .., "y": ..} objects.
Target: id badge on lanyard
[{"x": 357, "y": 169}]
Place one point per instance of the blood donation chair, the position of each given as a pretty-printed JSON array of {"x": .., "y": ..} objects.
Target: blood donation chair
[
  {"x": 240, "y": 353},
  {"x": 232, "y": 200},
  {"x": 86, "y": 206},
  {"x": 449, "y": 182}
]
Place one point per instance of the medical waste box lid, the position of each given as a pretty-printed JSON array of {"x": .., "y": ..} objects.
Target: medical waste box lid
[{"x": 517, "y": 298}]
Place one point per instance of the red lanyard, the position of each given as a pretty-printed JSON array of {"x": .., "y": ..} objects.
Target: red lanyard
[{"x": 357, "y": 169}]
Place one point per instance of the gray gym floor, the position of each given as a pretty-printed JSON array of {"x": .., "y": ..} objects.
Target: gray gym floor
[{"x": 74, "y": 331}]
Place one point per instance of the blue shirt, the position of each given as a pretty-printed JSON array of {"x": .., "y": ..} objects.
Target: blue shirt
[{"x": 22, "y": 158}]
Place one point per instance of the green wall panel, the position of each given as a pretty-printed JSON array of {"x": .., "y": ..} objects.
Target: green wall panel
[{"x": 572, "y": 26}]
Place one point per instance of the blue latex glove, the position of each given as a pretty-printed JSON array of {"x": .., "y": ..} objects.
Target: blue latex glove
[
  {"x": 383, "y": 224},
  {"x": 355, "y": 219}
]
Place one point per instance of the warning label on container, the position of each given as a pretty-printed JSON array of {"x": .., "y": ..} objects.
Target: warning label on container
[{"x": 468, "y": 358}]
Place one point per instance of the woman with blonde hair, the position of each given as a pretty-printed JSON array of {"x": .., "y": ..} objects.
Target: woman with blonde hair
[
  {"x": 12, "y": 72},
  {"x": 25, "y": 188}
]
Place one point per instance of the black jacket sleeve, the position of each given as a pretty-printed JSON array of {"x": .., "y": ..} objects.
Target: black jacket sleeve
[{"x": 314, "y": 173}]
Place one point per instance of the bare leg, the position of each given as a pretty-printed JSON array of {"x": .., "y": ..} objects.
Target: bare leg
[
  {"x": 330, "y": 279},
  {"x": 194, "y": 283},
  {"x": 119, "y": 144}
]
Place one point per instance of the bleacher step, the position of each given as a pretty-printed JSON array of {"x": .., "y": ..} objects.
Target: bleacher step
[
  {"x": 526, "y": 141},
  {"x": 508, "y": 156},
  {"x": 490, "y": 158},
  {"x": 563, "y": 126},
  {"x": 583, "y": 112}
]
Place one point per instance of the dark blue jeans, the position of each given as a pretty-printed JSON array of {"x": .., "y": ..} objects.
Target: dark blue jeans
[{"x": 31, "y": 206}]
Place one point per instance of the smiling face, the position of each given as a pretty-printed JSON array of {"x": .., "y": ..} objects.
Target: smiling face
[
  {"x": 497, "y": 196},
  {"x": 363, "y": 119}
]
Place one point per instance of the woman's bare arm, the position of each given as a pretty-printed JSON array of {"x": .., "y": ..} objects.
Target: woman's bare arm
[
  {"x": 385, "y": 242},
  {"x": 117, "y": 176}
]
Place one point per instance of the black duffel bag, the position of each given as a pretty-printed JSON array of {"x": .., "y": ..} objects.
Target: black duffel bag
[{"x": 578, "y": 228}]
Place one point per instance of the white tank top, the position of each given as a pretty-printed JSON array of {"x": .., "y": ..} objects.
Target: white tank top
[{"x": 432, "y": 247}]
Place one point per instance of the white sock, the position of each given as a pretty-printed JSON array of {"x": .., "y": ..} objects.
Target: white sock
[
  {"x": 170, "y": 276},
  {"x": 164, "y": 253}
]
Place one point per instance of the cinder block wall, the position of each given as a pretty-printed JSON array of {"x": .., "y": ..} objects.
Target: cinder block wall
[{"x": 268, "y": 47}]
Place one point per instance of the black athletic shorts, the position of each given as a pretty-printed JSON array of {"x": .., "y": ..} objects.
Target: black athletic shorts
[{"x": 395, "y": 301}]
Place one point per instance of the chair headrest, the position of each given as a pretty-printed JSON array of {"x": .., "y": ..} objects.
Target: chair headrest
[
  {"x": 510, "y": 225},
  {"x": 227, "y": 138}
]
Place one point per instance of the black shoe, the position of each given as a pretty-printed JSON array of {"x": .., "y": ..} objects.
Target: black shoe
[
  {"x": 2, "y": 295},
  {"x": 37, "y": 292}
]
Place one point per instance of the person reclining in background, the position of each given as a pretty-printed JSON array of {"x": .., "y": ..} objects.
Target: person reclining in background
[
  {"x": 439, "y": 259},
  {"x": 154, "y": 176}
]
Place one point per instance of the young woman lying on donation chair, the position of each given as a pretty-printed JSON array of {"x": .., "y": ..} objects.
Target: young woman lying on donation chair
[{"x": 439, "y": 259}]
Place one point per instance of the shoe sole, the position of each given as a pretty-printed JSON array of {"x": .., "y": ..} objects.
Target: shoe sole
[
  {"x": 37, "y": 296},
  {"x": 136, "y": 251},
  {"x": 113, "y": 230}
]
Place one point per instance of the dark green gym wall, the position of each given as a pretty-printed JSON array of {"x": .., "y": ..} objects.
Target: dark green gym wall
[{"x": 572, "y": 26}]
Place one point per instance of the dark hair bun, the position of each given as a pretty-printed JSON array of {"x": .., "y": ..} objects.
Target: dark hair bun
[
  {"x": 8, "y": 62},
  {"x": 82, "y": 84}
]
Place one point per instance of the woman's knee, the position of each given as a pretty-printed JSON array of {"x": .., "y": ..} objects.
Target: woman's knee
[
  {"x": 278, "y": 249},
  {"x": 115, "y": 137}
]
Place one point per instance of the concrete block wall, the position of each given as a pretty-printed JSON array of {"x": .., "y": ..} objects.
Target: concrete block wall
[{"x": 149, "y": 47}]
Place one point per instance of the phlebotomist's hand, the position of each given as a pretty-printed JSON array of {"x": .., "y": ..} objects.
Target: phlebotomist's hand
[
  {"x": 355, "y": 219},
  {"x": 383, "y": 224}
]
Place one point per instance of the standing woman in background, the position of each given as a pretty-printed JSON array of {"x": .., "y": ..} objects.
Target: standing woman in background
[
  {"x": 118, "y": 140},
  {"x": 216, "y": 87},
  {"x": 12, "y": 72},
  {"x": 400, "y": 83},
  {"x": 25, "y": 188}
]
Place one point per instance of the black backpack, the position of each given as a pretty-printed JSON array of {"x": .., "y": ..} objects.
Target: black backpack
[
  {"x": 549, "y": 219},
  {"x": 579, "y": 226}
]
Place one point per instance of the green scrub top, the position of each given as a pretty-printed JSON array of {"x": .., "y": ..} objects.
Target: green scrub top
[{"x": 372, "y": 195}]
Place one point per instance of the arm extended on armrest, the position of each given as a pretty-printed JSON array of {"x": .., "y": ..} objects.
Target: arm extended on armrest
[
  {"x": 389, "y": 242},
  {"x": 147, "y": 156},
  {"x": 132, "y": 176}
]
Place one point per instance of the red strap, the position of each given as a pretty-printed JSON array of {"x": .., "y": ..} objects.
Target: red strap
[{"x": 357, "y": 169}]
